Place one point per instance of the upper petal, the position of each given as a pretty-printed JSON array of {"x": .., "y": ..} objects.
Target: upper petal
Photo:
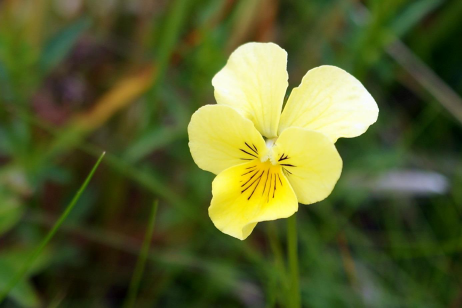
[
  {"x": 331, "y": 101},
  {"x": 246, "y": 194},
  {"x": 219, "y": 137},
  {"x": 254, "y": 80},
  {"x": 310, "y": 161}
]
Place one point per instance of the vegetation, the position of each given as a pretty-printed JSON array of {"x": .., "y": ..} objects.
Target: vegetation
[{"x": 78, "y": 78}]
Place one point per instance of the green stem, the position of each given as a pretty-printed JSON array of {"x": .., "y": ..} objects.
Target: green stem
[
  {"x": 278, "y": 281},
  {"x": 23, "y": 271},
  {"x": 140, "y": 264},
  {"x": 294, "y": 287}
]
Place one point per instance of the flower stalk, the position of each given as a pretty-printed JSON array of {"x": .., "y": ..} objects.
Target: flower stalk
[{"x": 294, "y": 299}]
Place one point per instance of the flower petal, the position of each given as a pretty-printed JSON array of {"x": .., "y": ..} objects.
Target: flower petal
[
  {"x": 219, "y": 137},
  {"x": 246, "y": 194},
  {"x": 331, "y": 101},
  {"x": 254, "y": 81},
  {"x": 310, "y": 161}
]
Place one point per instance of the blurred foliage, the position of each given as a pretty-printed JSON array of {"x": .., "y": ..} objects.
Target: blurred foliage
[{"x": 79, "y": 77}]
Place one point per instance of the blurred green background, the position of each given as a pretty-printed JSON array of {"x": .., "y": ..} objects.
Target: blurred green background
[{"x": 79, "y": 77}]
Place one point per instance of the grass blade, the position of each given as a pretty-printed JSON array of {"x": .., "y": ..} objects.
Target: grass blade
[
  {"x": 140, "y": 264},
  {"x": 49, "y": 236},
  {"x": 427, "y": 78},
  {"x": 172, "y": 29},
  {"x": 61, "y": 44}
]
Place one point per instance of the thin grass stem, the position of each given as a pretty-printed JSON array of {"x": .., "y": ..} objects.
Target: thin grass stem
[
  {"x": 23, "y": 271},
  {"x": 294, "y": 300},
  {"x": 141, "y": 263},
  {"x": 281, "y": 278}
]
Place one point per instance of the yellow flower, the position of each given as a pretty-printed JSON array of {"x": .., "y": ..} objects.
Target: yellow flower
[{"x": 267, "y": 162}]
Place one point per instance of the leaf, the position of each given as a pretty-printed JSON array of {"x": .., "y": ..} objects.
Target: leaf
[
  {"x": 10, "y": 213},
  {"x": 59, "y": 46},
  {"x": 411, "y": 15},
  {"x": 15, "y": 257},
  {"x": 3, "y": 73},
  {"x": 151, "y": 141},
  {"x": 4, "y": 82},
  {"x": 11, "y": 261},
  {"x": 23, "y": 294}
]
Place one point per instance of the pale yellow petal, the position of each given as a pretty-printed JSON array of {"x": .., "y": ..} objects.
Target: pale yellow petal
[
  {"x": 246, "y": 194},
  {"x": 310, "y": 161},
  {"x": 331, "y": 101},
  {"x": 220, "y": 137},
  {"x": 254, "y": 81}
]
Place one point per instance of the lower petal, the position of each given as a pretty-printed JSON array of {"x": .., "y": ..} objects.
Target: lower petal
[{"x": 249, "y": 193}]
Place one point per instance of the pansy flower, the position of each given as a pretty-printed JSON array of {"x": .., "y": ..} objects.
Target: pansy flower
[{"x": 267, "y": 162}]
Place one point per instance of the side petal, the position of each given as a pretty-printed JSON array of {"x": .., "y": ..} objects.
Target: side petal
[
  {"x": 331, "y": 101},
  {"x": 246, "y": 194},
  {"x": 310, "y": 161},
  {"x": 254, "y": 81},
  {"x": 219, "y": 137}
]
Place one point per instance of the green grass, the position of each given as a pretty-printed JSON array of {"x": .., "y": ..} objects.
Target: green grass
[
  {"x": 361, "y": 247},
  {"x": 33, "y": 257},
  {"x": 141, "y": 263}
]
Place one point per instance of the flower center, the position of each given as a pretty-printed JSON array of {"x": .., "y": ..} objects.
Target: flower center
[
  {"x": 261, "y": 181},
  {"x": 270, "y": 155}
]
